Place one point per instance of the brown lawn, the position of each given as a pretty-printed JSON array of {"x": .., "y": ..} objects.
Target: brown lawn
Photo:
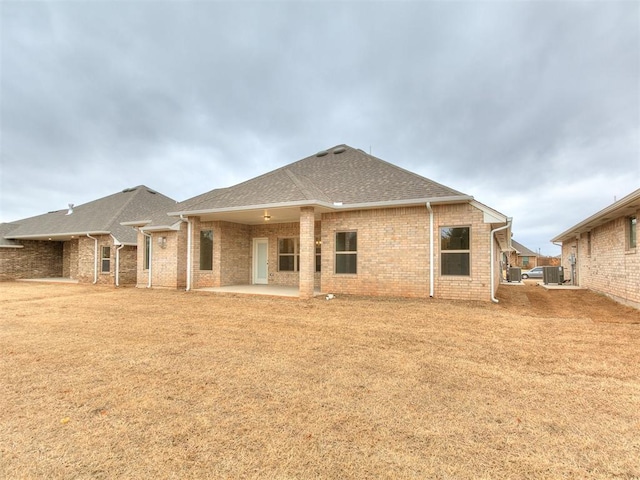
[{"x": 136, "y": 383}]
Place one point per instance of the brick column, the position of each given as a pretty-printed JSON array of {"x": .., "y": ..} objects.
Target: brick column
[{"x": 307, "y": 251}]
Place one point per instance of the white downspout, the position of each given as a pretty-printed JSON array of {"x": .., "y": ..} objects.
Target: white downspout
[
  {"x": 150, "y": 255},
  {"x": 431, "y": 289},
  {"x": 95, "y": 259},
  {"x": 491, "y": 282},
  {"x": 118, "y": 265},
  {"x": 188, "y": 287}
]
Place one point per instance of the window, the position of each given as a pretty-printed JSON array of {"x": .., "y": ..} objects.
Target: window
[
  {"x": 106, "y": 259},
  {"x": 288, "y": 254},
  {"x": 455, "y": 251},
  {"x": 206, "y": 249},
  {"x": 346, "y": 252},
  {"x": 318, "y": 254},
  {"x": 525, "y": 261},
  {"x": 147, "y": 252},
  {"x": 632, "y": 232}
]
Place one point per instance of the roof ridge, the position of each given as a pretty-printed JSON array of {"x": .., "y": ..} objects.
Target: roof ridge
[
  {"x": 137, "y": 190},
  {"x": 362, "y": 152},
  {"x": 306, "y": 189}
]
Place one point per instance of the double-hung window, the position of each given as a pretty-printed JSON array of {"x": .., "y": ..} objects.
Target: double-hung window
[
  {"x": 347, "y": 252},
  {"x": 455, "y": 251},
  {"x": 631, "y": 227},
  {"x": 206, "y": 249},
  {"x": 288, "y": 254},
  {"x": 105, "y": 258},
  {"x": 147, "y": 252}
]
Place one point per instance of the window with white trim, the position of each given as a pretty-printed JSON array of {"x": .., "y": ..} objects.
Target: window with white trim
[
  {"x": 288, "y": 254},
  {"x": 632, "y": 232},
  {"x": 455, "y": 251},
  {"x": 147, "y": 252},
  {"x": 347, "y": 252},
  {"x": 105, "y": 259}
]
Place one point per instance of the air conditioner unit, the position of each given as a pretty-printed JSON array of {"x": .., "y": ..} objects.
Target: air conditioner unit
[
  {"x": 551, "y": 275},
  {"x": 515, "y": 274}
]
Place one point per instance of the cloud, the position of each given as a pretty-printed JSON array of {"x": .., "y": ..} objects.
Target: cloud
[{"x": 501, "y": 100}]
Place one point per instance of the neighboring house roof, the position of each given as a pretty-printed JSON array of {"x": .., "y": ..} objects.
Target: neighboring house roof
[
  {"x": 522, "y": 250},
  {"x": 5, "y": 228},
  {"x": 623, "y": 207},
  {"x": 336, "y": 179},
  {"x": 99, "y": 217}
]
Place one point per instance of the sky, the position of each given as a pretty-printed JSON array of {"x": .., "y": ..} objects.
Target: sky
[{"x": 531, "y": 107}]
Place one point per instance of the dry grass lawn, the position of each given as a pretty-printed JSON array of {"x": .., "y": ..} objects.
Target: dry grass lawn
[{"x": 135, "y": 383}]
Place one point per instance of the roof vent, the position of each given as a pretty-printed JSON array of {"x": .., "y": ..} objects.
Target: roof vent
[
  {"x": 126, "y": 190},
  {"x": 70, "y": 209},
  {"x": 339, "y": 150},
  {"x": 322, "y": 153}
]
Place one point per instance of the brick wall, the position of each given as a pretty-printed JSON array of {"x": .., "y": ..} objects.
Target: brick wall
[
  {"x": 70, "y": 259},
  {"x": 168, "y": 259},
  {"x": 37, "y": 259},
  {"x": 605, "y": 264},
  {"x": 393, "y": 253}
]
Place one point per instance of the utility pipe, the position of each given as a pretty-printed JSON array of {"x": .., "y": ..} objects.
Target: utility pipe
[
  {"x": 491, "y": 281},
  {"x": 188, "y": 287},
  {"x": 431, "y": 289},
  {"x": 95, "y": 259}
]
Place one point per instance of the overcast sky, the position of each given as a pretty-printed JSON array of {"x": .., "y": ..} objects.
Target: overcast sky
[{"x": 531, "y": 107}]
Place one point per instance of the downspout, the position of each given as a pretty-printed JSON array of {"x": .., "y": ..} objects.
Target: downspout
[
  {"x": 431, "y": 289},
  {"x": 118, "y": 265},
  {"x": 150, "y": 254},
  {"x": 491, "y": 282},
  {"x": 95, "y": 259},
  {"x": 188, "y": 287}
]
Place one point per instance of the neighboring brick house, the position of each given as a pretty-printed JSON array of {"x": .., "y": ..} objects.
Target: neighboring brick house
[
  {"x": 522, "y": 257},
  {"x": 604, "y": 246},
  {"x": 341, "y": 221},
  {"x": 86, "y": 243}
]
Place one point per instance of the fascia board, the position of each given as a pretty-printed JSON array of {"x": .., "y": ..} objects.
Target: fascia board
[
  {"x": 162, "y": 228},
  {"x": 135, "y": 223},
  {"x": 337, "y": 206},
  {"x": 595, "y": 220},
  {"x": 53, "y": 235}
]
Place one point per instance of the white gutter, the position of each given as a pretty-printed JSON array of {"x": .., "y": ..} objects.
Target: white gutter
[
  {"x": 431, "y": 272},
  {"x": 95, "y": 259},
  {"x": 491, "y": 282},
  {"x": 150, "y": 255},
  {"x": 188, "y": 287},
  {"x": 118, "y": 264}
]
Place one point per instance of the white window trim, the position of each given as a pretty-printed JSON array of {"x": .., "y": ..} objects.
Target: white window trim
[
  {"x": 444, "y": 252},
  {"x": 345, "y": 252}
]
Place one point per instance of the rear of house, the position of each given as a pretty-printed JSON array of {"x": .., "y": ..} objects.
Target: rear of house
[
  {"x": 339, "y": 221},
  {"x": 601, "y": 253}
]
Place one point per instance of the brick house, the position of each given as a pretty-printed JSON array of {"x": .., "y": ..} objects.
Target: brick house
[
  {"x": 86, "y": 243},
  {"x": 522, "y": 257},
  {"x": 339, "y": 221},
  {"x": 604, "y": 247}
]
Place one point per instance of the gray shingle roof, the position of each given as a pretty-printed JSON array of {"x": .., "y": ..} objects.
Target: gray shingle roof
[
  {"x": 340, "y": 174},
  {"x": 99, "y": 216},
  {"x": 522, "y": 250}
]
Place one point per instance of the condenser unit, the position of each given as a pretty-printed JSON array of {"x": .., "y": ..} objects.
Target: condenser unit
[
  {"x": 515, "y": 274},
  {"x": 551, "y": 275}
]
